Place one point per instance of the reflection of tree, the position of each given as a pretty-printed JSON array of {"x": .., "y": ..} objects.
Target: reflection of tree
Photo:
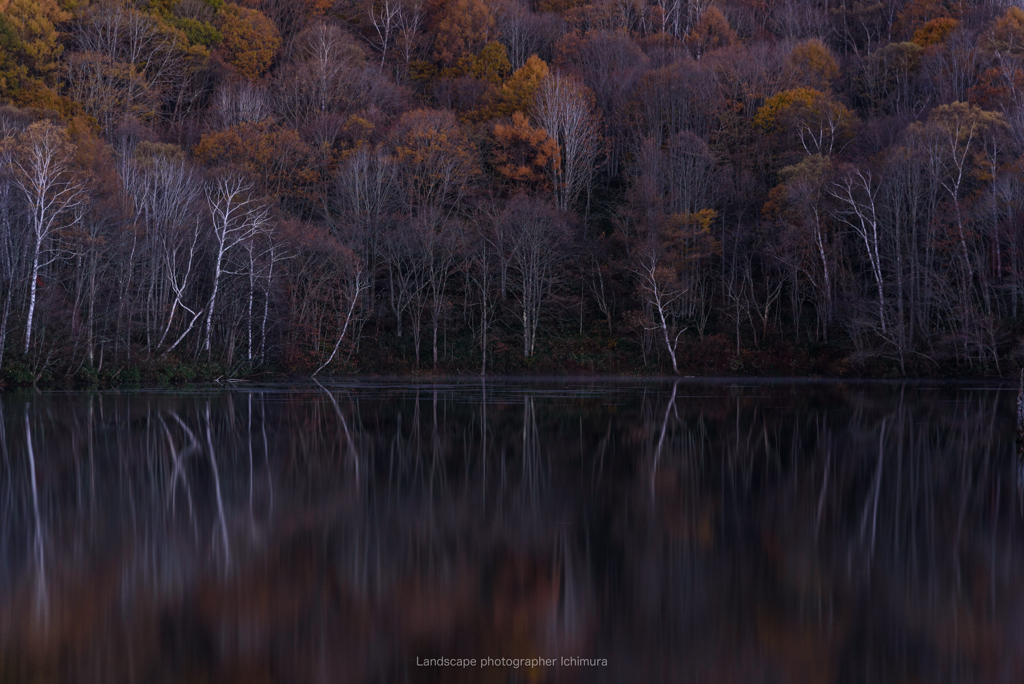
[
  {"x": 42, "y": 607},
  {"x": 682, "y": 532}
]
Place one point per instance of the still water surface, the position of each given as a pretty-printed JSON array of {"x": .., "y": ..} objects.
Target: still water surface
[{"x": 687, "y": 532}]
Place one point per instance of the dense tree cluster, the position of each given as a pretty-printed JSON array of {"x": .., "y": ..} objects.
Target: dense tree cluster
[{"x": 282, "y": 184}]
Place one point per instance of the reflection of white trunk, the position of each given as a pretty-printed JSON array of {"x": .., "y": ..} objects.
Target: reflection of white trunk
[
  {"x": 216, "y": 483},
  {"x": 567, "y": 607},
  {"x": 266, "y": 454},
  {"x": 178, "y": 457},
  {"x": 42, "y": 596},
  {"x": 872, "y": 503},
  {"x": 824, "y": 490},
  {"x": 344, "y": 425},
  {"x": 248, "y": 439},
  {"x": 532, "y": 456},
  {"x": 483, "y": 434},
  {"x": 661, "y": 439}
]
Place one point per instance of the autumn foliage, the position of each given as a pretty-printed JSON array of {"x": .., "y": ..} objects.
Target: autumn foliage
[
  {"x": 268, "y": 184},
  {"x": 250, "y": 40}
]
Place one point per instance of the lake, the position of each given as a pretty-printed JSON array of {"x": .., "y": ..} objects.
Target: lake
[{"x": 571, "y": 530}]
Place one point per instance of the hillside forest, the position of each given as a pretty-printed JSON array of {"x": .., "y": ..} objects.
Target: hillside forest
[{"x": 198, "y": 189}]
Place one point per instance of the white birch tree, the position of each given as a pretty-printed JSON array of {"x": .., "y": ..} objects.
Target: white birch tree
[{"x": 45, "y": 177}]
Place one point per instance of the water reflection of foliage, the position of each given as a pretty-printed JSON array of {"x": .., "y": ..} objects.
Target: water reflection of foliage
[{"x": 819, "y": 532}]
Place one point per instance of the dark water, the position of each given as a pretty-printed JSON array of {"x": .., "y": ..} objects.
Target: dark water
[{"x": 682, "y": 533}]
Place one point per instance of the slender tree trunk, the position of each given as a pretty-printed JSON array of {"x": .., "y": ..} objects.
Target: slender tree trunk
[
  {"x": 213, "y": 298},
  {"x": 3, "y": 321},
  {"x": 668, "y": 343},
  {"x": 32, "y": 293}
]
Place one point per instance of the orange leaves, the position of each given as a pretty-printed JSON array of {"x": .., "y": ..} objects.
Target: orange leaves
[
  {"x": 918, "y": 13},
  {"x": 935, "y": 31},
  {"x": 523, "y": 154},
  {"x": 275, "y": 155},
  {"x": 250, "y": 40}
]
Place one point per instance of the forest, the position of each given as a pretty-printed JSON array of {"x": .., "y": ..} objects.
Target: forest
[{"x": 199, "y": 189}]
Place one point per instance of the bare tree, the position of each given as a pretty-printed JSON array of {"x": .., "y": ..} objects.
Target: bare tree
[
  {"x": 325, "y": 77},
  {"x": 238, "y": 102},
  {"x": 355, "y": 285},
  {"x": 44, "y": 175},
  {"x": 565, "y": 109},
  {"x": 130, "y": 50},
  {"x": 164, "y": 193},
  {"x": 11, "y": 237},
  {"x": 525, "y": 33},
  {"x": 238, "y": 214},
  {"x": 442, "y": 249},
  {"x": 409, "y": 26},
  {"x": 385, "y": 17},
  {"x": 537, "y": 253},
  {"x": 662, "y": 291},
  {"x": 857, "y": 194}
]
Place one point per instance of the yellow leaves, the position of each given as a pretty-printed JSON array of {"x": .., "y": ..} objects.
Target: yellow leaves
[
  {"x": 523, "y": 154},
  {"x": 956, "y": 135},
  {"x": 688, "y": 237},
  {"x": 809, "y": 175},
  {"x": 490, "y": 64},
  {"x": 147, "y": 151},
  {"x": 517, "y": 94},
  {"x": 935, "y": 31},
  {"x": 358, "y": 129},
  {"x": 461, "y": 27},
  {"x": 811, "y": 64},
  {"x": 35, "y": 22},
  {"x": 768, "y": 117},
  {"x": 436, "y": 159},
  {"x": 810, "y": 169},
  {"x": 45, "y": 134},
  {"x": 250, "y": 40},
  {"x": 12, "y": 62},
  {"x": 806, "y": 118},
  {"x": 962, "y": 122},
  {"x": 700, "y": 221},
  {"x": 1007, "y": 34}
]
